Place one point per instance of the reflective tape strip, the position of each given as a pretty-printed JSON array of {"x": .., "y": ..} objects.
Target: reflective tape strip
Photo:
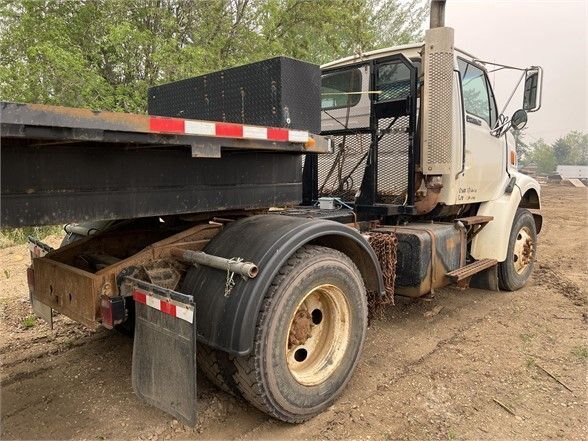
[
  {"x": 255, "y": 132},
  {"x": 200, "y": 128},
  {"x": 167, "y": 306},
  {"x": 167, "y": 125},
  {"x": 225, "y": 130},
  {"x": 297, "y": 136}
]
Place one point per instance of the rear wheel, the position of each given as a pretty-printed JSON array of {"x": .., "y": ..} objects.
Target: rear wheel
[
  {"x": 309, "y": 336},
  {"x": 516, "y": 270}
]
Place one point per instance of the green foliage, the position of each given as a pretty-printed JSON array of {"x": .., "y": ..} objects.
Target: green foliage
[
  {"x": 522, "y": 148},
  {"x": 580, "y": 352},
  {"x": 543, "y": 156},
  {"x": 572, "y": 149},
  {"x": 104, "y": 54},
  {"x": 18, "y": 236},
  {"x": 29, "y": 321}
]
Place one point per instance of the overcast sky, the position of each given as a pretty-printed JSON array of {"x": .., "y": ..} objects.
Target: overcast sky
[{"x": 549, "y": 33}]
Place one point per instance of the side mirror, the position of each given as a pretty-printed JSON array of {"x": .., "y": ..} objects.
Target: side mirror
[
  {"x": 519, "y": 119},
  {"x": 532, "y": 93}
]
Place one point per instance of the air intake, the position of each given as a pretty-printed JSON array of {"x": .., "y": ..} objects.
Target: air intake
[{"x": 437, "y": 101}]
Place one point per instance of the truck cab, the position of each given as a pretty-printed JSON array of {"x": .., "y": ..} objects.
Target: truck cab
[{"x": 439, "y": 146}]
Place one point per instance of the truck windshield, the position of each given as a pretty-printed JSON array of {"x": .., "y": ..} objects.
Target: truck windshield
[{"x": 340, "y": 89}]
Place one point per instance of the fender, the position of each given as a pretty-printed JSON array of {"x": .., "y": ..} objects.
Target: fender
[
  {"x": 227, "y": 322},
  {"x": 492, "y": 241}
]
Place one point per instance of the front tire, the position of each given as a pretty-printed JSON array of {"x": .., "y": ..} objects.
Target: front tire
[
  {"x": 309, "y": 336},
  {"x": 516, "y": 270}
]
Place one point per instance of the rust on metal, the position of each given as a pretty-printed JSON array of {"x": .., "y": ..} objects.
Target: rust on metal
[
  {"x": 83, "y": 118},
  {"x": 474, "y": 220},
  {"x": 42, "y": 115},
  {"x": 474, "y": 224},
  {"x": 300, "y": 330},
  {"x": 64, "y": 284},
  {"x": 384, "y": 245},
  {"x": 465, "y": 272}
]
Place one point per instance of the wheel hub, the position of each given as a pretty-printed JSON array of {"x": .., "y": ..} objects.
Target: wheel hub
[
  {"x": 318, "y": 335},
  {"x": 300, "y": 330},
  {"x": 523, "y": 250}
]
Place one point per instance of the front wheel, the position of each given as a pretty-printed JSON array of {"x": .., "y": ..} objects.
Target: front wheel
[
  {"x": 309, "y": 336},
  {"x": 516, "y": 270}
]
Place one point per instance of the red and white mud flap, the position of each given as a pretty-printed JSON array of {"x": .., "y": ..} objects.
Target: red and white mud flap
[{"x": 164, "y": 350}]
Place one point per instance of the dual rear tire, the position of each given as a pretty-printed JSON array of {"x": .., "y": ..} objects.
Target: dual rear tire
[{"x": 308, "y": 339}]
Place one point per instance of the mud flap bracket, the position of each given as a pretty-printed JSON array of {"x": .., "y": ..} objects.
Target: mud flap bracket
[{"x": 164, "y": 350}]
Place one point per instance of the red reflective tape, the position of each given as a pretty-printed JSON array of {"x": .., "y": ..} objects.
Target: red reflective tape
[
  {"x": 229, "y": 130},
  {"x": 168, "y": 308},
  {"x": 277, "y": 134},
  {"x": 139, "y": 297},
  {"x": 169, "y": 125}
]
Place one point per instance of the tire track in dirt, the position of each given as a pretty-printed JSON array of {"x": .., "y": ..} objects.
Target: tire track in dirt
[{"x": 332, "y": 415}]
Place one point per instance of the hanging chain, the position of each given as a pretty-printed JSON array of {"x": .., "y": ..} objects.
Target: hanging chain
[
  {"x": 230, "y": 280},
  {"x": 384, "y": 245}
]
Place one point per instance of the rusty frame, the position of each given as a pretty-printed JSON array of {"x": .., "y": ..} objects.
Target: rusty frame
[{"x": 76, "y": 293}]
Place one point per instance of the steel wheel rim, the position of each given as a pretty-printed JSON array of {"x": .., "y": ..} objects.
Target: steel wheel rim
[
  {"x": 524, "y": 249},
  {"x": 318, "y": 335}
]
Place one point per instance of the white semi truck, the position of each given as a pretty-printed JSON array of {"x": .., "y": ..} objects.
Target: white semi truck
[{"x": 256, "y": 251}]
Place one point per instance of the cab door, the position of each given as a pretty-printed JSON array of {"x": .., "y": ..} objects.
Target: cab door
[{"x": 484, "y": 170}]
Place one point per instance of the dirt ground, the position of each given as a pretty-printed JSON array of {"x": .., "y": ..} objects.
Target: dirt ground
[{"x": 464, "y": 365}]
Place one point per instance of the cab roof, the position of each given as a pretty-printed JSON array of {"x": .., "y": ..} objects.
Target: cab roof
[{"x": 412, "y": 50}]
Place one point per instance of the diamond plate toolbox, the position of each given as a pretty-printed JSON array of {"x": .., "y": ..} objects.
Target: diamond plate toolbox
[{"x": 279, "y": 92}]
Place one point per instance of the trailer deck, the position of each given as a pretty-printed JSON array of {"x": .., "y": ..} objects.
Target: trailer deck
[{"x": 63, "y": 164}]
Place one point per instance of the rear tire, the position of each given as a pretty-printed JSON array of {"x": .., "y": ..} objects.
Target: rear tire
[
  {"x": 516, "y": 270},
  {"x": 309, "y": 336},
  {"x": 218, "y": 367}
]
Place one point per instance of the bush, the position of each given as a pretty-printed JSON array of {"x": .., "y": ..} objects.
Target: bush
[{"x": 18, "y": 236}]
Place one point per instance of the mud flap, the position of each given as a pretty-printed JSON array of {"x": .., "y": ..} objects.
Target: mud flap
[{"x": 164, "y": 351}]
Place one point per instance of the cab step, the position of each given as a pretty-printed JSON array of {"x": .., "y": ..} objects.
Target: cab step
[
  {"x": 475, "y": 220},
  {"x": 469, "y": 270}
]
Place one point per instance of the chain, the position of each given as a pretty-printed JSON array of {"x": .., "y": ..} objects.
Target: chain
[
  {"x": 230, "y": 280},
  {"x": 384, "y": 245}
]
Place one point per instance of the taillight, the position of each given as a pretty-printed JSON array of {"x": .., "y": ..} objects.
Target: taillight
[{"x": 113, "y": 311}]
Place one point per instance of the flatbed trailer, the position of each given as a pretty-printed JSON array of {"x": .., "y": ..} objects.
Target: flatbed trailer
[
  {"x": 257, "y": 253},
  {"x": 63, "y": 165}
]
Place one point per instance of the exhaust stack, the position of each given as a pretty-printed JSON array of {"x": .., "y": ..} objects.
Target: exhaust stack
[
  {"x": 437, "y": 19},
  {"x": 437, "y": 94}
]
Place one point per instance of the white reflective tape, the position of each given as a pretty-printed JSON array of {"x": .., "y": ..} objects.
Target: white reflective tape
[
  {"x": 254, "y": 132},
  {"x": 200, "y": 128},
  {"x": 153, "y": 302},
  {"x": 297, "y": 136},
  {"x": 185, "y": 313}
]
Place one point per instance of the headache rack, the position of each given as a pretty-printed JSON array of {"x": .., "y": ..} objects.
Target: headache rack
[{"x": 63, "y": 164}]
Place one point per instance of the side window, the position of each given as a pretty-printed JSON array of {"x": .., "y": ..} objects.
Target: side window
[
  {"x": 476, "y": 96},
  {"x": 392, "y": 81},
  {"x": 340, "y": 89}
]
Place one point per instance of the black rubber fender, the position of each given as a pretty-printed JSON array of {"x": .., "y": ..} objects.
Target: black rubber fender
[{"x": 228, "y": 322}]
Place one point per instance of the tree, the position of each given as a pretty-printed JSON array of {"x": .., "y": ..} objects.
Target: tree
[
  {"x": 104, "y": 54},
  {"x": 572, "y": 149},
  {"x": 543, "y": 156},
  {"x": 561, "y": 151},
  {"x": 522, "y": 148}
]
